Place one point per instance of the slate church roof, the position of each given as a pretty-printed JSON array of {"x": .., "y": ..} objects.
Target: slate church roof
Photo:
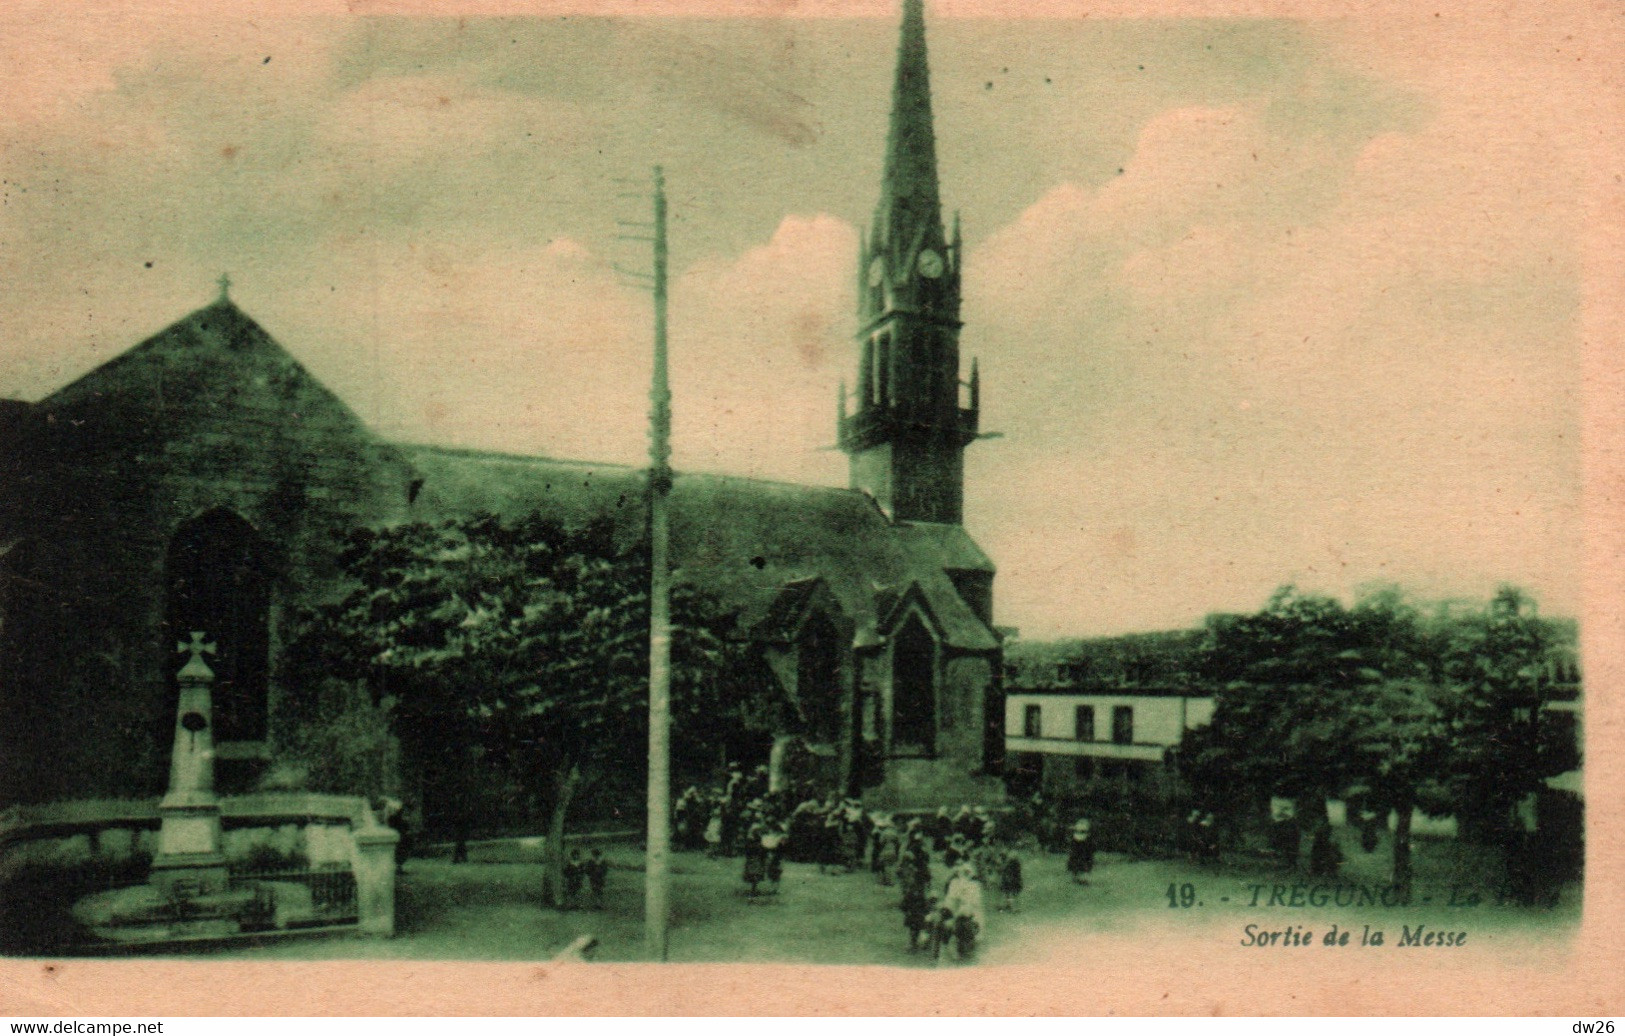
[
  {"x": 217, "y": 377},
  {"x": 743, "y": 538}
]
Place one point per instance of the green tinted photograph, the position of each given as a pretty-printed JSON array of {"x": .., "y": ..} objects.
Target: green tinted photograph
[{"x": 900, "y": 483}]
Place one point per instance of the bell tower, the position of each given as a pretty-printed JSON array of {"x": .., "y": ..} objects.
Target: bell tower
[{"x": 913, "y": 417}]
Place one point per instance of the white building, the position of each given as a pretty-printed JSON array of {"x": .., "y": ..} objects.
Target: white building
[{"x": 1067, "y": 737}]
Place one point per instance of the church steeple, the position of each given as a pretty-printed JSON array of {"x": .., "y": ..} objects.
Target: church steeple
[
  {"x": 909, "y": 432},
  {"x": 908, "y": 188}
]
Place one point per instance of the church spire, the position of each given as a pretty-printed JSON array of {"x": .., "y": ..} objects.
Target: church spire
[
  {"x": 908, "y": 434},
  {"x": 909, "y": 215}
]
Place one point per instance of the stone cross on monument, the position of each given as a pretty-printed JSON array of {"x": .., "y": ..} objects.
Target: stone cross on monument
[{"x": 189, "y": 840}]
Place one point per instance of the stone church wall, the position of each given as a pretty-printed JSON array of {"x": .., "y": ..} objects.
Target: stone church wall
[{"x": 192, "y": 422}]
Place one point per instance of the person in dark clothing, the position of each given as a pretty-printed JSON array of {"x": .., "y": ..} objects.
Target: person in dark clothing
[
  {"x": 597, "y": 870},
  {"x": 1187, "y": 835},
  {"x": 1285, "y": 836},
  {"x": 1324, "y": 854},
  {"x": 773, "y": 843},
  {"x": 914, "y": 875},
  {"x": 1207, "y": 839},
  {"x": 941, "y": 827},
  {"x": 394, "y": 814},
  {"x": 1369, "y": 833},
  {"x": 755, "y": 859},
  {"x": 1010, "y": 883},
  {"x": 1080, "y": 855},
  {"x": 575, "y": 873},
  {"x": 854, "y": 837}
]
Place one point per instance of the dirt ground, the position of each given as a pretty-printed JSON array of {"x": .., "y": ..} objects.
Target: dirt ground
[{"x": 490, "y": 908}]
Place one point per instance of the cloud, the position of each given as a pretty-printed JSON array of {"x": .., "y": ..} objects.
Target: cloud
[
  {"x": 759, "y": 344},
  {"x": 1284, "y": 358},
  {"x": 1320, "y": 326},
  {"x": 530, "y": 350}
]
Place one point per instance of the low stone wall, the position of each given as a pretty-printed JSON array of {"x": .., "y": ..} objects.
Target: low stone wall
[{"x": 258, "y": 831}]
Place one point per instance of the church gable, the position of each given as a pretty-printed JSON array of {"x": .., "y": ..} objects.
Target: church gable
[
  {"x": 214, "y": 368},
  {"x": 806, "y": 640},
  {"x": 209, "y": 412}
]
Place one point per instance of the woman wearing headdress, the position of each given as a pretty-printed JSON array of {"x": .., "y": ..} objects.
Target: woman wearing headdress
[
  {"x": 755, "y": 857},
  {"x": 1080, "y": 855},
  {"x": 1010, "y": 882},
  {"x": 713, "y": 833},
  {"x": 961, "y": 909},
  {"x": 888, "y": 847},
  {"x": 773, "y": 844},
  {"x": 914, "y": 875}
]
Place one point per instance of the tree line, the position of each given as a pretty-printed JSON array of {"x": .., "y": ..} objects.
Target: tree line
[{"x": 1387, "y": 706}]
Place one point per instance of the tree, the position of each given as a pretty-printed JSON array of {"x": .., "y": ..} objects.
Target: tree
[
  {"x": 1286, "y": 680},
  {"x": 1381, "y": 705},
  {"x": 1504, "y": 741},
  {"x": 519, "y": 652},
  {"x": 1399, "y": 748},
  {"x": 1321, "y": 700}
]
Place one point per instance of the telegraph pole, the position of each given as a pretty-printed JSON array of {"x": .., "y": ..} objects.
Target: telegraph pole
[
  {"x": 657, "y": 911},
  {"x": 656, "y": 894},
  {"x": 657, "y": 875}
]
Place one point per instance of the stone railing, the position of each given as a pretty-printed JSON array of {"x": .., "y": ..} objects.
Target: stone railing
[{"x": 328, "y": 830}]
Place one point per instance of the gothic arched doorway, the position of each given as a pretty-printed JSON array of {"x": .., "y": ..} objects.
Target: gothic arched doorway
[
  {"x": 218, "y": 583},
  {"x": 914, "y": 690}
]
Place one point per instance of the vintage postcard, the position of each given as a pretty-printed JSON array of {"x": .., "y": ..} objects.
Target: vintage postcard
[{"x": 890, "y": 506}]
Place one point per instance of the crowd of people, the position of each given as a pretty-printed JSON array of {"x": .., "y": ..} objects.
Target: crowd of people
[
  {"x": 740, "y": 816},
  {"x": 585, "y": 877}
]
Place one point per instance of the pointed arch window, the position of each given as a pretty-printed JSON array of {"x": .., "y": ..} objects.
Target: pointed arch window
[
  {"x": 218, "y": 584},
  {"x": 883, "y": 370},
  {"x": 818, "y": 678},
  {"x": 914, "y": 690},
  {"x": 866, "y": 375}
]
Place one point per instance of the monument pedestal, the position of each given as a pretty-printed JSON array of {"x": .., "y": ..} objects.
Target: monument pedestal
[{"x": 189, "y": 861}]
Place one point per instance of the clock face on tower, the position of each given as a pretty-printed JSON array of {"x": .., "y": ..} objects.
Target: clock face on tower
[
  {"x": 877, "y": 272},
  {"x": 930, "y": 264}
]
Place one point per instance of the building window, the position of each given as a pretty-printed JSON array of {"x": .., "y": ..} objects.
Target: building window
[
  {"x": 1123, "y": 725},
  {"x": 883, "y": 371},
  {"x": 1084, "y": 723},
  {"x": 818, "y": 679},
  {"x": 1032, "y": 721},
  {"x": 866, "y": 376},
  {"x": 914, "y": 690}
]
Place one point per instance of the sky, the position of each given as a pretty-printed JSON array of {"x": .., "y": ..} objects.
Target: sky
[{"x": 1256, "y": 300}]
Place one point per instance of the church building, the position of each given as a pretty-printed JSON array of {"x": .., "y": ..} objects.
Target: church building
[{"x": 203, "y": 480}]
